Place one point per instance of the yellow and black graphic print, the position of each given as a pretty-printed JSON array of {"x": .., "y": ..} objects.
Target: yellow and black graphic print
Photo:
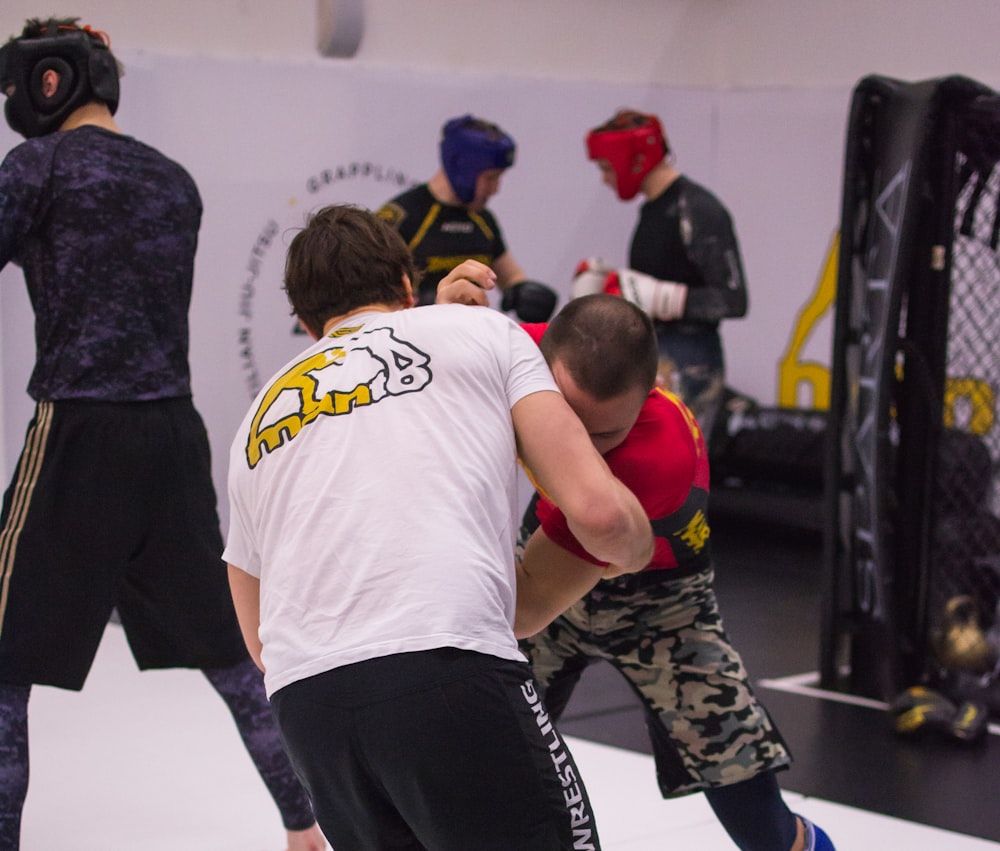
[
  {"x": 696, "y": 532},
  {"x": 361, "y": 370},
  {"x": 391, "y": 213},
  {"x": 686, "y": 530}
]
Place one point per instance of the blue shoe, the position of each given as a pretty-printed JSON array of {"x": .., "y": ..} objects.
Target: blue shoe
[{"x": 816, "y": 838}]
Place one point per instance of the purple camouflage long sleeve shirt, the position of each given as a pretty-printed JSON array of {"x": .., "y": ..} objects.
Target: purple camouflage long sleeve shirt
[{"x": 105, "y": 229}]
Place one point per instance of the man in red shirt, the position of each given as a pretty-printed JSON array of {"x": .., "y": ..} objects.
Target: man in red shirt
[{"x": 660, "y": 628}]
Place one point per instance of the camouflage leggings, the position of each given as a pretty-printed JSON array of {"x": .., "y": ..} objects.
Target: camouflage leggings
[{"x": 666, "y": 638}]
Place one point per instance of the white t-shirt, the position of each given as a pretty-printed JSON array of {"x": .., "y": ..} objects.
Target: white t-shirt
[{"x": 373, "y": 490}]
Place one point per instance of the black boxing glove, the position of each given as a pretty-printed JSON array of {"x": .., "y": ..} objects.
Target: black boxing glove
[
  {"x": 920, "y": 710},
  {"x": 530, "y": 301}
]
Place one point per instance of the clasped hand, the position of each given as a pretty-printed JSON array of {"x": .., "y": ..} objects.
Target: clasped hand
[{"x": 467, "y": 283}]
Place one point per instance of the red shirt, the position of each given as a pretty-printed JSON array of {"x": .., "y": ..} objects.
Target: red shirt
[{"x": 664, "y": 462}]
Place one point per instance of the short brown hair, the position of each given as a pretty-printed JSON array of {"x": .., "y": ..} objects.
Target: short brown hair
[
  {"x": 344, "y": 258},
  {"x": 607, "y": 344}
]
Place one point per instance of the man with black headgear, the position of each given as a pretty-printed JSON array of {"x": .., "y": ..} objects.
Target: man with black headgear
[
  {"x": 445, "y": 221},
  {"x": 112, "y": 504},
  {"x": 685, "y": 269}
]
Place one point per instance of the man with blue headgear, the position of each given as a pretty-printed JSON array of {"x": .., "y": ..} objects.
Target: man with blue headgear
[
  {"x": 445, "y": 221},
  {"x": 112, "y": 505}
]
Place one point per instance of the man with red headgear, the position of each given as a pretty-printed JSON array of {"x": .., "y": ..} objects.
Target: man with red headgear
[{"x": 684, "y": 268}]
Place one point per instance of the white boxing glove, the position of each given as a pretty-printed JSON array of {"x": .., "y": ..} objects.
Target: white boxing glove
[
  {"x": 589, "y": 277},
  {"x": 660, "y": 299}
]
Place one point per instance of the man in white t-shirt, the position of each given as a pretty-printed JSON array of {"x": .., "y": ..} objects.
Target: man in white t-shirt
[{"x": 373, "y": 498}]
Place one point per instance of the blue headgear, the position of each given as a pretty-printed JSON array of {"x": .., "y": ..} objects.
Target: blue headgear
[
  {"x": 87, "y": 71},
  {"x": 470, "y": 146}
]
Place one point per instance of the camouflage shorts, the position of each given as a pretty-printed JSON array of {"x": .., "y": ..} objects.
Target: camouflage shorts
[
  {"x": 666, "y": 638},
  {"x": 700, "y": 386}
]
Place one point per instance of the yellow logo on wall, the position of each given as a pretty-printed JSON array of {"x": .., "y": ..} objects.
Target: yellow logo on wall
[
  {"x": 797, "y": 378},
  {"x": 970, "y": 403}
]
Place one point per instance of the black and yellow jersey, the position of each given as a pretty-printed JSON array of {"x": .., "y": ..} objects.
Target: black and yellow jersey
[{"x": 441, "y": 235}]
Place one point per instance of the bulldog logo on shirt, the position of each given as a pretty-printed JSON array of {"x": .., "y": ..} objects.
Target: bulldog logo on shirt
[{"x": 360, "y": 370}]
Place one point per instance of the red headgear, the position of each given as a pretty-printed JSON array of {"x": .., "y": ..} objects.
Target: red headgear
[{"x": 632, "y": 142}]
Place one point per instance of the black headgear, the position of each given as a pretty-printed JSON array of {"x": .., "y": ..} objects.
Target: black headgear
[{"x": 87, "y": 71}]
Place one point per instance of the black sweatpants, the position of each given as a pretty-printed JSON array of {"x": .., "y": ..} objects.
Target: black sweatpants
[{"x": 444, "y": 750}]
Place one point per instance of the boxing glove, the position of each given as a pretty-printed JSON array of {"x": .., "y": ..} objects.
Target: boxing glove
[
  {"x": 920, "y": 710},
  {"x": 971, "y": 721},
  {"x": 659, "y": 299},
  {"x": 530, "y": 301},
  {"x": 589, "y": 277}
]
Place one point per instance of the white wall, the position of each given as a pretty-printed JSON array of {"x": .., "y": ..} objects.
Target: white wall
[
  {"x": 715, "y": 43},
  {"x": 376, "y": 131},
  {"x": 754, "y": 96}
]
